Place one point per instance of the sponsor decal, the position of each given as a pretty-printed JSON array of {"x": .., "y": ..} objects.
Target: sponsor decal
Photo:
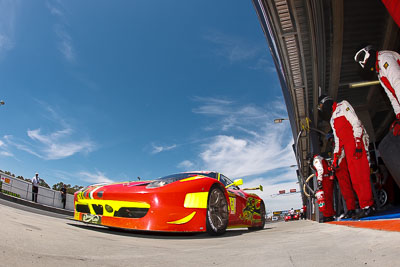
[
  {"x": 232, "y": 205},
  {"x": 347, "y": 109},
  {"x": 251, "y": 213},
  {"x": 386, "y": 65},
  {"x": 211, "y": 222},
  {"x": 80, "y": 195},
  {"x": 6, "y": 180},
  {"x": 90, "y": 218}
]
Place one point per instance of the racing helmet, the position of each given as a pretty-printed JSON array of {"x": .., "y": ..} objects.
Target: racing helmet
[
  {"x": 366, "y": 57},
  {"x": 325, "y": 104},
  {"x": 322, "y": 100}
]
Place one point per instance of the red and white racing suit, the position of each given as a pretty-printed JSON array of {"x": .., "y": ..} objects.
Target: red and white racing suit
[
  {"x": 347, "y": 129},
  {"x": 343, "y": 176},
  {"x": 388, "y": 68},
  {"x": 321, "y": 167}
]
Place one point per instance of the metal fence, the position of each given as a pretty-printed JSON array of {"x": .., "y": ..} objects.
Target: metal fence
[{"x": 23, "y": 189}]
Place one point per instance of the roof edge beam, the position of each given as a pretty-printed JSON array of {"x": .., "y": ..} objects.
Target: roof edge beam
[{"x": 337, "y": 47}]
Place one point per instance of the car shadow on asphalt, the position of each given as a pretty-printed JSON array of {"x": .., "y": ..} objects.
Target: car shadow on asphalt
[{"x": 160, "y": 235}]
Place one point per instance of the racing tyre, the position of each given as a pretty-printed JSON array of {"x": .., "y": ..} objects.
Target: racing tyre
[
  {"x": 217, "y": 211},
  {"x": 262, "y": 214},
  {"x": 382, "y": 197}
]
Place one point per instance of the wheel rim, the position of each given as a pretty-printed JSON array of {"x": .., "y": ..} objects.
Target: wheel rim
[
  {"x": 382, "y": 197},
  {"x": 218, "y": 209}
]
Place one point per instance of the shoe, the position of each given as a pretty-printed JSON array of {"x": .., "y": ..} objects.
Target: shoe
[
  {"x": 348, "y": 214},
  {"x": 365, "y": 212},
  {"x": 328, "y": 219}
]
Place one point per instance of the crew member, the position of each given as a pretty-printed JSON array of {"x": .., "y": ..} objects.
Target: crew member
[
  {"x": 386, "y": 64},
  {"x": 35, "y": 186},
  {"x": 343, "y": 177},
  {"x": 291, "y": 212},
  {"x": 304, "y": 212},
  {"x": 63, "y": 192},
  {"x": 349, "y": 135},
  {"x": 325, "y": 184}
]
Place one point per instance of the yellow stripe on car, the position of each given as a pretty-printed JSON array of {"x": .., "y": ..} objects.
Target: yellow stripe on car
[
  {"x": 192, "y": 178},
  {"x": 196, "y": 200},
  {"x": 184, "y": 220}
]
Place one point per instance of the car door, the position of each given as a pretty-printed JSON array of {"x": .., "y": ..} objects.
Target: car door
[{"x": 237, "y": 201}]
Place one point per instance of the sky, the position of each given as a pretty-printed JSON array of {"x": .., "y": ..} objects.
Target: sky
[{"x": 106, "y": 91}]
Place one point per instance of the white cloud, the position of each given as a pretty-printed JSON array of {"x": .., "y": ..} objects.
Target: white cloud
[
  {"x": 233, "y": 48},
  {"x": 56, "y": 11},
  {"x": 8, "y": 10},
  {"x": 238, "y": 50},
  {"x": 97, "y": 177},
  {"x": 65, "y": 42},
  {"x": 5, "y": 43},
  {"x": 6, "y": 154},
  {"x": 240, "y": 157},
  {"x": 231, "y": 114},
  {"x": 186, "y": 165},
  {"x": 158, "y": 149},
  {"x": 21, "y": 145},
  {"x": 54, "y": 148},
  {"x": 4, "y": 150},
  {"x": 263, "y": 63},
  {"x": 254, "y": 147},
  {"x": 53, "y": 145}
]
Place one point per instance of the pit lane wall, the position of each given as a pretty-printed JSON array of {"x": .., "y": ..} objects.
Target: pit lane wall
[{"x": 23, "y": 189}]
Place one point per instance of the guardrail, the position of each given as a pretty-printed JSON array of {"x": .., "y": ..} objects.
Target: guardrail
[{"x": 23, "y": 189}]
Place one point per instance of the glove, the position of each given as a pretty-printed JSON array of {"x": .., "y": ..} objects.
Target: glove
[
  {"x": 319, "y": 185},
  {"x": 395, "y": 128},
  {"x": 359, "y": 148}
]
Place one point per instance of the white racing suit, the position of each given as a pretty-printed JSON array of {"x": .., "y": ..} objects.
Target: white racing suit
[
  {"x": 347, "y": 129},
  {"x": 388, "y": 68}
]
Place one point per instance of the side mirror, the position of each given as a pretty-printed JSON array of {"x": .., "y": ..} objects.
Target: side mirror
[
  {"x": 254, "y": 188},
  {"x": 237, "y": 182}
]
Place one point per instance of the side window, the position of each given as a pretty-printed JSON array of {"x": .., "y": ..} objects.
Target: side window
[{"x": 226, "y": 181}]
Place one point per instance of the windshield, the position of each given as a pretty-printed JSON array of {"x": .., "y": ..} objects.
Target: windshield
[{"x": 179, "y": 176}]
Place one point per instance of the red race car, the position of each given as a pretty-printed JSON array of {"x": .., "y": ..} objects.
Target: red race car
[
  {"x": 183, "y": 202},
  {"x": 292, "y": 217}
]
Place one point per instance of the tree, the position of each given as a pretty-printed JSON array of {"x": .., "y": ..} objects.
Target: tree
[
  {"x": 43, "y": 183},
  {"x": 70, "y": 190},
  {"x": 74, "y": 189},
  {"x": 58, "y": 186}
]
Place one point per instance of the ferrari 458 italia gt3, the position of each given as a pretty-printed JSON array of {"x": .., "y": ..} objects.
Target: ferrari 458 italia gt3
[{"x": 184, "y": 202}]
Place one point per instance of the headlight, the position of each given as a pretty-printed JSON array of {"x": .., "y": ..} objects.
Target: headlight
[{"x": 156, "y": 184}]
